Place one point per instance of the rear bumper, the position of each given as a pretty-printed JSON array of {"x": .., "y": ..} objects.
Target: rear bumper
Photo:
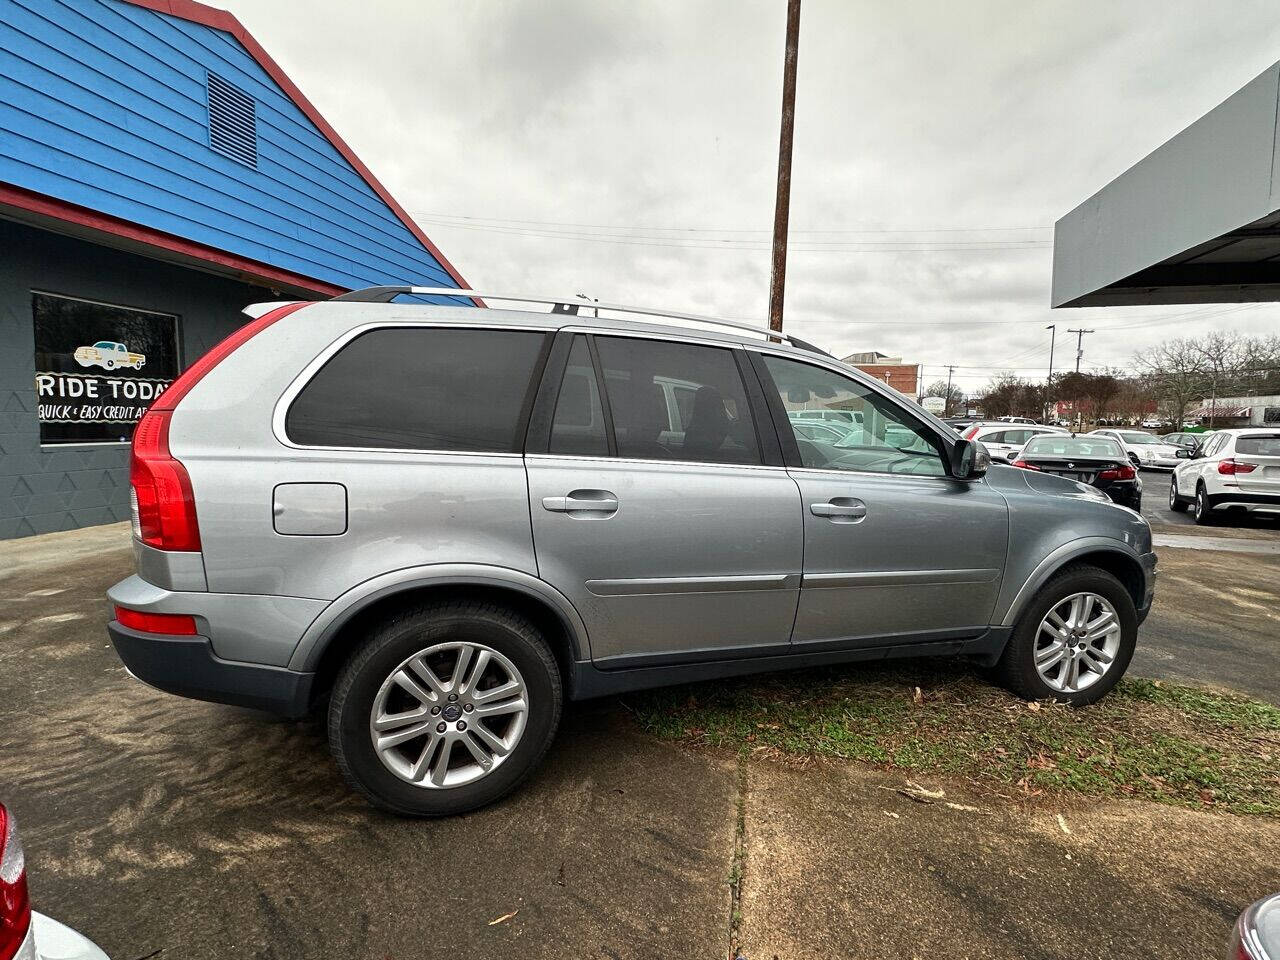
[
  {"x": 1245, "y": 499},
  {"x": 188, "y": 667}
]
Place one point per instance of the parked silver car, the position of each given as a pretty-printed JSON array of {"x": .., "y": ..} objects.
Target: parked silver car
[{"x": 438, "y": 522}]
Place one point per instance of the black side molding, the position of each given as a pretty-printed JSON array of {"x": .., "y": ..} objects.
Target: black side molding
[{"x": 589, "y": 680}]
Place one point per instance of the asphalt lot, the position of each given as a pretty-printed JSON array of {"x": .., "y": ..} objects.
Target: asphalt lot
[{"x": 169, "y": 828}]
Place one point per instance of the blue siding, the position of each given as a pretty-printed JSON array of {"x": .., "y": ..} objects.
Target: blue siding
[{"x": 102, "y": 104}]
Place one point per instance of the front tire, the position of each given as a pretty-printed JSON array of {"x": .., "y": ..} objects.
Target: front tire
[
  {"x": 445, "y": 708},
  {"x": 1176, "y": 503},
  {"x": 1074, "y": 641}
]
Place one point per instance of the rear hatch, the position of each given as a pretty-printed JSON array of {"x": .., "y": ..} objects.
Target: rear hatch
[{"x": 1261, "y": 453}]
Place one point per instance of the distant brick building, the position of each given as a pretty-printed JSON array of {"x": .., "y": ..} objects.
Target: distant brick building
[{"x": 903, "y": 377}]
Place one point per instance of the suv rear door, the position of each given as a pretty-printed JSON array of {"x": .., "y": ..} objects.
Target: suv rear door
[
  {"x": 673, "y": 537},
  {"x": 893, "y": 547}
]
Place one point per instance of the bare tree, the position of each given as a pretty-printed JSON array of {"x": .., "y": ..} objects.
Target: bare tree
[
  {"x": 955, "y": 401},
  {"x": 1177, "y": 373}
]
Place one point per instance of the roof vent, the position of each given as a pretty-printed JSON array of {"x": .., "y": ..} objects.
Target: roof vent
[{"x": 233, "y": 121}]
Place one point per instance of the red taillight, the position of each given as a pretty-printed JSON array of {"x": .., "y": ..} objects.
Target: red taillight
[
  {"x": 968, "y": 434},
  {"x": 164, "y": 511},
  {"x": 15, "y": 903},
  {"x": 177, "y": 624},
  {"x": 1024, "y": 465},
  {"x": 164, "y": 507},
  {"x": 1118, "y": 473},
  {"x": 1231, "y": 467}
]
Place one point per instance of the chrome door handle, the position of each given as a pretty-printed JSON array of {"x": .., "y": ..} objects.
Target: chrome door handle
[
  {"x": 582, "y": 501},
  {"x": 840, "y": 509}
]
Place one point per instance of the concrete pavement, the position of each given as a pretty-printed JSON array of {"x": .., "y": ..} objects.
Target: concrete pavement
[{"x": 155, "y": 823}]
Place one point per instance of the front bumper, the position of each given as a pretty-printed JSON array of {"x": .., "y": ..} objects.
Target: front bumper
[
  {"x": 188, "y": 667},
  {"x": 1148, "y": 561}
]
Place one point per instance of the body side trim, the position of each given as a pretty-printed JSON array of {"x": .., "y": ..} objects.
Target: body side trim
[
  {"x": 677, "y": 585},
  {"x": 890, "y": 578}
]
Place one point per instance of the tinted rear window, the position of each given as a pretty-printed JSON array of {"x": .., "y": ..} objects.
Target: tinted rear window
[
  {"x": 1064, "y": 446},
  {"x": 420, "y": 389},
  {"x": 1265, "y": 446}
]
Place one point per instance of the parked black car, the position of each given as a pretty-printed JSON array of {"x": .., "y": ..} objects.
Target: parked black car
[{"x": 1097, "y": 461}]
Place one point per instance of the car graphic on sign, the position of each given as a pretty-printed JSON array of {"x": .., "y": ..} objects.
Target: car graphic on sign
[{"x": 109, "y": 355}]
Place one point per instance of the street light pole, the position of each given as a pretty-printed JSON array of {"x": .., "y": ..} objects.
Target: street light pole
[
  {"x": 946, "y": 403},
  {"x": 782, "y": 206},
  {"x": 1048, "y": 384}
]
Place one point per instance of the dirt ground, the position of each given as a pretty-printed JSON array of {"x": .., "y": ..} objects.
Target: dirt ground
[{"x": 170, "y": 828}]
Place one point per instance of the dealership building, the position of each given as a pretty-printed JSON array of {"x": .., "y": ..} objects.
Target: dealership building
[
  {"x": 158, "y": 172},
  {"x": 1196, "y": 221}
]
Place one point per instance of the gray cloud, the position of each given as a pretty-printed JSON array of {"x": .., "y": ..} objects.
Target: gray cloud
[{"x": 929, "y": 115}]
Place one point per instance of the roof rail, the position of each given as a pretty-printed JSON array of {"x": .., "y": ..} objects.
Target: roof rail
[{"x": 571, "y": 305}]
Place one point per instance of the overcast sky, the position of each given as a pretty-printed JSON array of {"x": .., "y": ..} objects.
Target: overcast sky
[{"x": 628, "y": 150}]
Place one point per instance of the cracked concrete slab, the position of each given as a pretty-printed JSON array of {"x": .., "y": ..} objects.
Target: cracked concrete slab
[{"x": 840, "y": 864}]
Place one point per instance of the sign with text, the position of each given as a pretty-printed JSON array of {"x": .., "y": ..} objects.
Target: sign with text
[{"x": 98, "y": 367}]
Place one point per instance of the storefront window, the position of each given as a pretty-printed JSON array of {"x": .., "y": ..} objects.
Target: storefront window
[{"x": 98, "y": 367}]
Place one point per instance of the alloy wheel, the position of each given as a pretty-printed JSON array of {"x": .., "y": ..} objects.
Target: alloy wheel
[
  {"x": 449, "y": 715},
  {"x": 1173, "y": 493},
  {"x": 1077, "y": 642}
]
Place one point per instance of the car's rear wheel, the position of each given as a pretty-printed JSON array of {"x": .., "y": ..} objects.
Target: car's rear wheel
[
  {"x": 1074, "y": 641},
  {"x": 445, "y": 708},
  {"x": 1202, "y": 512},
  {"x": 1176, "y": 503}
]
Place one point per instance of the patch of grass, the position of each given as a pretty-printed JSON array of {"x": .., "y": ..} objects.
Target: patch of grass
[{"x": 1158, "y": 741}]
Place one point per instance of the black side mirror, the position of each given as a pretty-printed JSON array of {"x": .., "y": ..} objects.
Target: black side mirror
[
  {"x": 1183, "y": 453},
  {"x": 969, "y": 460}
]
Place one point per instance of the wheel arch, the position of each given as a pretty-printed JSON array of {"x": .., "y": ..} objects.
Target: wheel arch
[
  {"x": 333, "y": 635},
  {"x": 1107, "y": 554}
]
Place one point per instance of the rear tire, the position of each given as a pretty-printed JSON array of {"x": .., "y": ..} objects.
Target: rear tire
[
  {"x": 398, "y": 672},
  {"x": 1029, "y": 643}
]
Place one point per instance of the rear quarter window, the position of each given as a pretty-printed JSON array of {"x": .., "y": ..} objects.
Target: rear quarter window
[{"x": 421, "y": 388}]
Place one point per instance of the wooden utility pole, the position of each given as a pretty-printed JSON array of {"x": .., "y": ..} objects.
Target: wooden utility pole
[
  {"x": 1079, "y": 344},
  {"x": 946, "y": 404},
  {"x": 782, "y": 207}
]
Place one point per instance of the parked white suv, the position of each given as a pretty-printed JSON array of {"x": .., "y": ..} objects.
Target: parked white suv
[
  {"x": 1004, "y": 441},
  {"x": 1144, "y": 449},
  {"x": 1237, "y": 468}
]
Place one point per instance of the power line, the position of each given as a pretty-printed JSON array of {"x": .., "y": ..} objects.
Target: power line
[
  {"x": 711, "y": 243},
  {"x": 440, "y": 217}
]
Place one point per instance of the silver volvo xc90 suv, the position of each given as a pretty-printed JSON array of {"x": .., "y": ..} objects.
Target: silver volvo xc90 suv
[{"x": 437, "y": 522}]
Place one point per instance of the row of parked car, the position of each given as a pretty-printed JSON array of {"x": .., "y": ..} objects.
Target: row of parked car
[{"x": 1236, "y": 469}]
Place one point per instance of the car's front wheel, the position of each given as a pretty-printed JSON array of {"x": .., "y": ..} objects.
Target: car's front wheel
[
  {"x": 1074, "y": 641},
  {"x": 1176, "y": 503},
  {"x": 445, "y": 708}
]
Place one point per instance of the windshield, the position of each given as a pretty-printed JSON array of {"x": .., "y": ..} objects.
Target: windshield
[
  {"x": 1137, "y": 439},
  {"x": 1050, "y": 446}
]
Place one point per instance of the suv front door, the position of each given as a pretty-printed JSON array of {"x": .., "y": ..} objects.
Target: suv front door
[
  {"x": 674, "y": 528},
  {"x": 895, "y": 550}
]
